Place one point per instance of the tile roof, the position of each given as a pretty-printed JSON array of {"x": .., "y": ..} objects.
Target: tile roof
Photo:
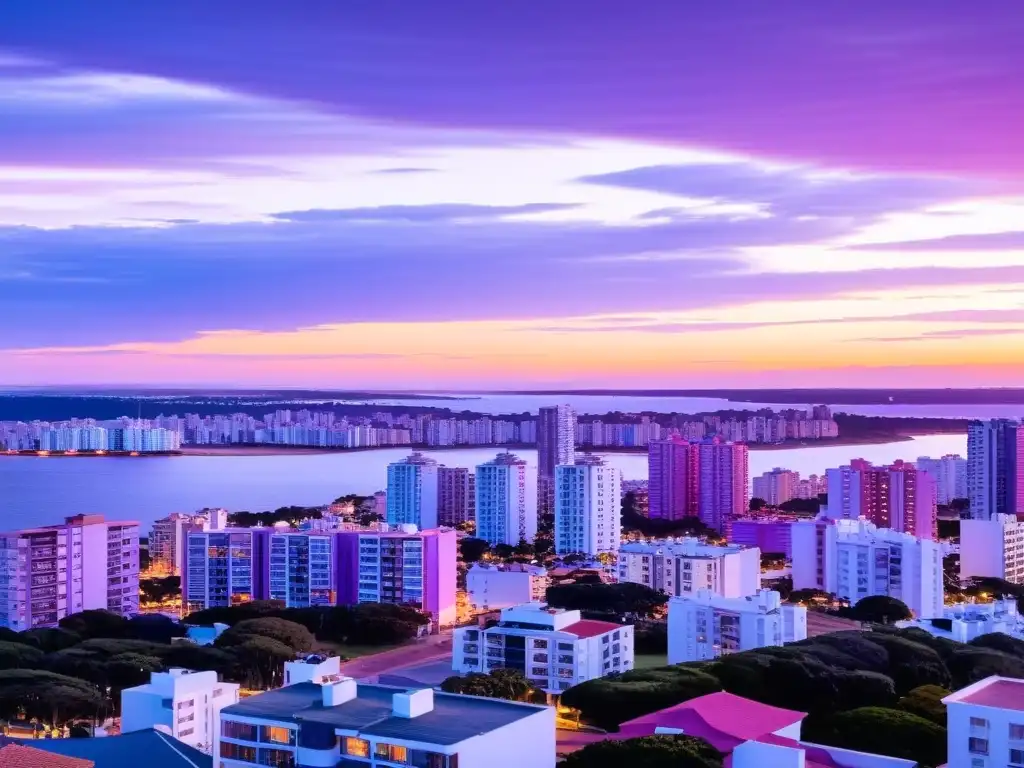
[
  {"x": 157, "y": 750},
  {"x": 454, "y": 717},
  {"x": 723, "y": 719},
  {"x": 20, "y": 756},
  {"x": 1005, "y": 694},
  {"x": 590, "y": 628}
]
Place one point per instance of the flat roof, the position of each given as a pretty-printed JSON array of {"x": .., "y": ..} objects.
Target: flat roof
[
  {"x": 454, "y": 717},
  {"x": 1003, "y": 693},
  {"x": 155, "y": 749}
]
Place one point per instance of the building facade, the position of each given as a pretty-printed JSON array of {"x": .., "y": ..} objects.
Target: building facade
[
  {"x": 777, "y": 486},
  {"x": 224, "y": 568},
  {"x": 554, "y": 648},
  {"x": 506, "y": 500},
  {"x": 51, "y": 572},
  {"x": 985, "y": 724},
  {"x": 993, "y": 547},
  {"x": 705, "y": 626},
  {"x": 771, "y": 534},
  {"x": 556, "y": 445},
  {"x": 181, "y": 703},
  {"x": 950, "y": 474},
  {"x": 340, "y": 723},
  {"x": 673, "y": 475},
  {"x": 493, "y": 587},
  {"x": 412, "y": 493},
  {"x": 900, "y": 497},
  {"x": 588, "y": 507},
  {"x": 854, "y": 559},
  {"x": 685, "y": 566},
  {"x": 724, "y": 484},
  {"x": 300, "y": 569},
  {"x": 995, "y": 468},
  {"x": 963, "y": 622},
  {"x": 456, "y": 495}
]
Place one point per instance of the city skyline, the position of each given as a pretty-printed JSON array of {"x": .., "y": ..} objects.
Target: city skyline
[{"x": 599, "y": 195}]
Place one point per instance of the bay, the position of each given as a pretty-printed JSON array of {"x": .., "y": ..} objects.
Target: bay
[{"x": 41, "y": 491}]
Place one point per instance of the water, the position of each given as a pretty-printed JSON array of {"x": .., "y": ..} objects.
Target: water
[
  {"x": 599, "y": 404},
  {"x": 37, "y": 491}
]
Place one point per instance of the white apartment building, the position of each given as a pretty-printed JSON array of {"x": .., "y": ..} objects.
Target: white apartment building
[
  {"x": 950, "y": 473},
  {"x": 218, "y": 567},
  {"x": 493, "y": 587},
  {"x": 684, "y": 566},
  {"x": 588, "y": 507},
  {"x": 985, "y": 724},
  {"x": 339, "y": 723},
  {"x": 965, "y": 621},
  {"x": 853, "y": 559},
  {"x": 412, "y": 492},
  {"x": 776, "y": 487},
  {"x": 554, "y": 648},
  {"x": 705, "y": 625},
  {"x": 181, "y": 703},
  {"x": 312, "y": 669},
  {"x": 506, "y": 500},
  {"x": 993, "y": 547}
]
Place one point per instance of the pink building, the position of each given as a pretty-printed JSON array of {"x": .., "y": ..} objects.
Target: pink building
[
  {"x": 456, "y": 497},
  {"x": 55, "y": 571},
  {"x": 672, "y": 479},
  {"x": 900, "y": 497},
  {"x": 777, "y": 486},
  {"x": 771, "y": 534},
  {"x": 723, "y": 484}
]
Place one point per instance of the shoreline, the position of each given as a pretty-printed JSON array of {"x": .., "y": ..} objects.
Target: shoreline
[{"x": 303, "y": 450}]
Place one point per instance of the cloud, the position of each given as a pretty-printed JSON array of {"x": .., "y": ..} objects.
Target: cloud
[
  {"x": 404, "y": 171},
  {"x": 422, "y": 213},
  {"x": 955, "y": 333},
  {"x": 997, "y": 241}
]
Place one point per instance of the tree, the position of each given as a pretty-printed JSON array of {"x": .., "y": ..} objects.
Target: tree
[
  {"x": 154, "y": 628},
  {"x": 808, "y": 507},
  {"x": 880, "y": 609},
  {"x": 95, "y": 623},
  {"x": 261, "y": 661},
  {"x": 883, "y": 731},
  {"x": 624, "y": 599},
  {"x": 231, "y": 615},
  {"x": 20, "y": 656},
  {"x": 50, "y": 639},
  {"x": 926, "y": 701},
  {"x": 294, "y": 636},
  {"x": 757, "y": 503},
  {"x": 158, "y": 590},
  {"x": 49, "y": 697},
  {"x": 972, "y": 664},
  {"x": 507, "y": 684},
  {"x": 471, "y": 550},
  {"x": 648, "y": 752},
  {"x": 128, "y": 670}
]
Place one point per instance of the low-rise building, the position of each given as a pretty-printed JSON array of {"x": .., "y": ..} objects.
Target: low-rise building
[
  {"x": 493, "y": 587},
  {"x": 344, "y": 724},
  {"x": 554, "y": 648},
  {"x": 181, "y": 703},
  {"x": 965, "y": 621},
  {"x": 993, "y": 547},
  {"x": 985, "y": 724},
  {"x": 685, "y": 565},
  {"x": 706, "y": 626}
]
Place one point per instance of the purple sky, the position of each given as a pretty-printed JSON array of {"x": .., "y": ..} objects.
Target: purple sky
[{"x": 603, "y": 170}]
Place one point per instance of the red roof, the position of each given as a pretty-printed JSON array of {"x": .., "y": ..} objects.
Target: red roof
[
  {"x": 17, "y": 756},
  {"x": 1005, "y": 694},
  {"x": 590, "y": 628},
  {"x": 722, "y": 719}
]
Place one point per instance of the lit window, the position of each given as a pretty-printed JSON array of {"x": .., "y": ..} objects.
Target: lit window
[
  {"x": 276, "y": 734},
  {"x": 357, "y": 747}
]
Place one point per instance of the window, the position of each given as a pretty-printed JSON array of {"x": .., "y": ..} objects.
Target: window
[
  {"x": 229, "y": 729},
  {"x": 231, "y": 751},
  {"x": 1016, "y": 732},
  {"x": 977, "y": 746},
  {"x": 186, "y": 732},
  {"x": 1017, "y": 757},
  {"x": 392, "y": 753},
  {"x": 277, "y": 758},
  {"x": 356, "y": 747},
  {"x": 276, "y": 734},
  {"x": 979, "y": 722}
]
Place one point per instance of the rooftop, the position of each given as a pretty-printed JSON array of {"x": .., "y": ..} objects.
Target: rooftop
[
  {"x": 155, "y": 748},
  {"x": 590, "y": 628},
  {"x": 454, "y": 718},
  {"x": 20, "y": 756},
  {"x": 999, "y": 692}
]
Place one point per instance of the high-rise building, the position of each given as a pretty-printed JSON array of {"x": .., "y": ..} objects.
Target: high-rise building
[
  {"x": 506, "y": 500},
  {"x": 301, "y": 569},
  {"x": 456, "y": 488},
  {"x": 556, "y": 445},
  {"x": 950, "y": 474},
  {"x": 995, "y": 468},
  {"x": 412, "y": 493},
  {"x": 776, "y": 487},
  {"x": 588, "y": 507},
  {"x": 854, "y": 559},
  {"x": 705, "y": 625},
  {"x": 993, "y": 547},
  {"x": 84, "y": 564},
  {"x": 165, "y": 543},
  {"x": 224, "y": 568},
  {"x": 402, "y": 567},
  {"x": 686, "y": 565},
  {"x": 673, "y": 477},
  {"x": 724, "y": 487},
  {"x": 899, "y": 497}
]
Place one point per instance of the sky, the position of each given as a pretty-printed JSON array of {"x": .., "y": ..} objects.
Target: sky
[{"x": 464, "y": 195}]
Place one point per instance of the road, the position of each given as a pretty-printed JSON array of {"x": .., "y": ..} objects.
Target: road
[{"x": 429, "y": 649}]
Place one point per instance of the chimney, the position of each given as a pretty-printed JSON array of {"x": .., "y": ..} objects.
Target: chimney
[
  {"x": 413, "y": 703},
  {"x": 339, "y": 692}
]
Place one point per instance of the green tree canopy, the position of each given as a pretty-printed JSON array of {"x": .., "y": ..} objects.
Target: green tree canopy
[
  {"x": 926, "y": 701},
  {"x": 646, "y": 752},
  {"x": 293, "y": 635},
  {"x": 471, "y": 550},
  {"x": 95, "y": 623},
  {"x": 499, "y": 684},
  {"x": 52, "y": 698},
  {"x": 881, "y": 731},
  {"x": 624, "y": 599},
  {"x": 19, "y": 656},
  {"x": 880, "y": 609}
]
